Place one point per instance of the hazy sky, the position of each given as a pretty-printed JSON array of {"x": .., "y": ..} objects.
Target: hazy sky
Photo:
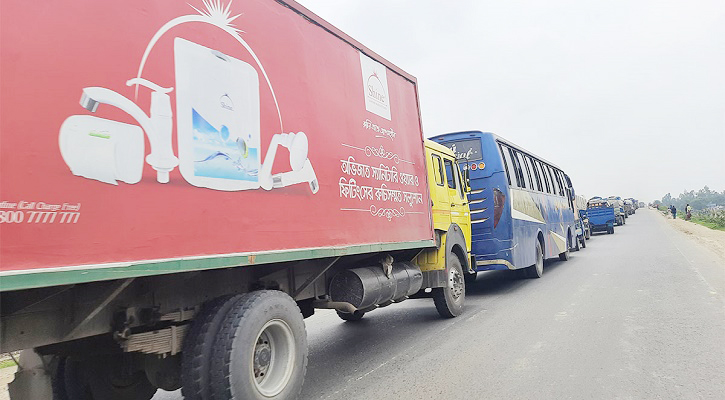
[{"x": 627, "y": 96}]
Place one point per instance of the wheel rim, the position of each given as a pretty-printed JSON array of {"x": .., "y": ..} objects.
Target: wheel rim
[
  {"x": 273, "y": 358},
  {"x": 455, "y": 283}
]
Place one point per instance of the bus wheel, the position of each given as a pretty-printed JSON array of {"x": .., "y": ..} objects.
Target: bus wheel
[
  {"x": 449, "y": 299},
  {"x": 536, "y": 270},
  {"x": 351, "y": 317},
  {"x": 260, "y": 351},
  {"x": 565, "y": 255}
]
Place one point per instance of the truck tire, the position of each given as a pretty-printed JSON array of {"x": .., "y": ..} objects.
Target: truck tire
[
  {"x": 449, "y": 299},
  {"x": 577, "y": 241},
  {"x": 198, "y": 348},
  {"x": 565, "y": 255},
  {"x": 110, "y": 378},
  {"x": 584, "y": 243},
  {"x": 537, "y": 270},
  {"x": 260, "y": 351},
  {"x": 68, "y": 382},
  {"x": 610, "y": 230},
  {"x": 351, "y": 317}
]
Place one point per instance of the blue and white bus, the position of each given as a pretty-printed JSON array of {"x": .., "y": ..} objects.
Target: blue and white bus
[{"x": 522, "y": 209}]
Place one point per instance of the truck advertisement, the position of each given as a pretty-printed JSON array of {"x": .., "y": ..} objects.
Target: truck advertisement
[{"x": 140, "y": 132}]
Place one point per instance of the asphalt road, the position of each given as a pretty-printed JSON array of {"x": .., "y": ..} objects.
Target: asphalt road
[{"x": 636, "y": 315}]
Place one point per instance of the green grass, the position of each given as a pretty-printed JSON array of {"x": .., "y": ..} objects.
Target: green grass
[
  {"x": 711, "y": 225},
  {"x": 7, "y": 363}
]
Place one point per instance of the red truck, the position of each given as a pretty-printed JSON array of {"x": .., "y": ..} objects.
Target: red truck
[{"x": 195, "y": 178}]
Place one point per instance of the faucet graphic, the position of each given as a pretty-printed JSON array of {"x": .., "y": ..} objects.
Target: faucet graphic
[{"x": 158, "y": 126}]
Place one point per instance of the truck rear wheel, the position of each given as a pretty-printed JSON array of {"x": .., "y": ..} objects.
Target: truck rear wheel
[
  {"x": 260, "y": 351},
  {"x": 449, "y": 299},
  {"x": 198, "y": 348}
]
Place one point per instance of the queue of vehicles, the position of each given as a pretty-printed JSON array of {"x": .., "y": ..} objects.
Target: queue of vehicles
[{"x": 121, "y": 274}]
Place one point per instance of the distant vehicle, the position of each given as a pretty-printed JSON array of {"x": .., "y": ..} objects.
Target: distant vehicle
[
  {"x": 522, "y": 209},
  {"x": 619, "y": 213},
  {"x": 641, "y": 204},
  {"x": 583, "y": 232},
  {"x": 628, "y": 207},
  {"x": 601, "y": 213}
]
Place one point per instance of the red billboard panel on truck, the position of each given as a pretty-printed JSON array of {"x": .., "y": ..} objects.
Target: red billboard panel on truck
[{"x": 143, "y": 132}]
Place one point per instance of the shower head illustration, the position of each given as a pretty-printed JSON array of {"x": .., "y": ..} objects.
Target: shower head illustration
[
  {"x": 302, "y": 170},
  {"x": 158, "y": 126}
]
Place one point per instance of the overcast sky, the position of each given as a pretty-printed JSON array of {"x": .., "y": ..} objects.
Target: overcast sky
[{"x": 627, "y": 96}]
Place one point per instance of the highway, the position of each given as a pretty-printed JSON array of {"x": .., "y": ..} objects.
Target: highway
[{"x": 636, "y": 315}]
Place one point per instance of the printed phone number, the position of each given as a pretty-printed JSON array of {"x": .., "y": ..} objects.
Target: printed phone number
[{"x": 39, "y": 217}]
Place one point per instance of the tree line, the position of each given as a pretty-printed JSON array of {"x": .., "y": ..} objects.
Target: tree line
[{"x": 698, "y": 200}]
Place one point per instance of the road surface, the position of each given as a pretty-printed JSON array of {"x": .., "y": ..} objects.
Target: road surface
[{"x": 638, "y": 314}]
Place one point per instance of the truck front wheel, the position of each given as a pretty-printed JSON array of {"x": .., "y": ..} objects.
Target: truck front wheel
[
  {"x": 260, "y": 351},
  {"x": 449, "y": 299}
]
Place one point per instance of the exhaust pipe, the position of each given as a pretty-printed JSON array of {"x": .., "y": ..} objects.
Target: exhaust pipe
[{"x": 368, "y": 287}]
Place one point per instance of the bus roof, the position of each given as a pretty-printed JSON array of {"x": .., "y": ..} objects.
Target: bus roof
[{"x": 499, "y": 138}]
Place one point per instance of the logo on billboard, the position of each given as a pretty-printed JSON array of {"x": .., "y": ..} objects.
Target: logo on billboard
[{"x": 375, "y": 86}]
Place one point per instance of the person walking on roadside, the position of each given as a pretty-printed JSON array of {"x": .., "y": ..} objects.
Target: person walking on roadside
[
  {"x": 674, "y": 212},
  {"x": 688, "y": 211}
]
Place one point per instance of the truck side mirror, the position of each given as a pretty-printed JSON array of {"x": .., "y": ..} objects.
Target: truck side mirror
[{"x": 466, "y": 179}]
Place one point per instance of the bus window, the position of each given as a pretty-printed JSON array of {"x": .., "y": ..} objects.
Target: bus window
[
  {"x": 517, "y": 169},
  {"x": 450, "y": 176},
  {"x": 537, "y": 175},
  {"x": 554, "y": 185},
  {"x": 438, "y": 169},
  {"x": 561, "y": 182},
  {"x": 545, "y": 175},
  {"x": 528, "y": 170},
  {"x": 506, "y": 162}
]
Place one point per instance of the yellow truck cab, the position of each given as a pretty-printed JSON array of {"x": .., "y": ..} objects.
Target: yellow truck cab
[{"x": 449, "y": 262}]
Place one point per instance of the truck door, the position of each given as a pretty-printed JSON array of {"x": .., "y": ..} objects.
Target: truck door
[
  {"x": 439, "y": 193},
  {"x": 457, "y": 197}
]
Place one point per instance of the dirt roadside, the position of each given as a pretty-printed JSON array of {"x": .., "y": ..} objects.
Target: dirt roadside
[{"x": 712, "y": 239}]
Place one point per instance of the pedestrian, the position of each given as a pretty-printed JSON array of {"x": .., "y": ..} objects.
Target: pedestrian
[
  {"x": 674, "y": 212},
  {"x": 688, "y": 211}
]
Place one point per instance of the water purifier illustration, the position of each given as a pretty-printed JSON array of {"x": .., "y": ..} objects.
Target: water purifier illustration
[
  {"x": 218, "y": 118},
  {"x": 217, "y": 124}
]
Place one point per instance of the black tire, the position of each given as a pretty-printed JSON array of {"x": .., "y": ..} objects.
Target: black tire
[
  {"x": 260, "y": 352},
  {"x": 565, "y": 255},
  {"x": 610, "y": 230},
  {"x": 537, "y": 270},
  {"x": 198, "y": 348},
  {"x": 449, "y": 300},
  {"x": 577, "y": 241},
  {"x": 584, "y": 243},
  {"x": 67, "y": 381},
  {"x": 110, "y": 378},
  {"x": 351, "y": 317}
]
